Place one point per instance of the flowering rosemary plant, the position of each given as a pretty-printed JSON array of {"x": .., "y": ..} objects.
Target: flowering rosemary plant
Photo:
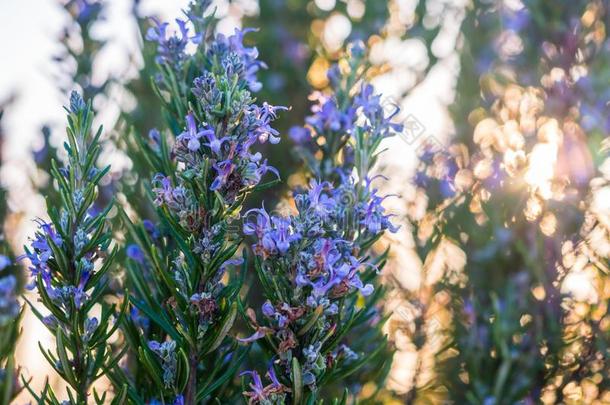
[
  {"x": 70, "y": 257},
  {"x": 183, "y": 262},
  {"x": 10, "y": 315},
  {"x": 320, "y": 324}
]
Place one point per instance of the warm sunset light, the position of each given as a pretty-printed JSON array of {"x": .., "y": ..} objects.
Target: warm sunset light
[{"x": 305, "y": 202}]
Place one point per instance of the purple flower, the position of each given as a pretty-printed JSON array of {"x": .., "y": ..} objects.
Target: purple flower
[
  {"x": 318, "y": 201},
  {"x": 175, "y": 198},
  {"x": 334, "y": 75},
  {"x": 265, "y": 115},
  {"x": 268, "y": 309},
  {"x": 192, "y": 135},
  {"x": 84, "y": 11},
  {"x": 254, "y": 172},
  {"x": 259, "y": 334},
  {"x": 139, "y": 319},
  {"x": 356, "y": 49},
  {"x": 329, "y": 128},
  {"x": 162, "y": 189},
  {"x": 328, "y": 117},
  {"x": 79, "y": 297},
  {"x": 228, "y": 122},
  {"x": 50, "y": 321},
  {"x": 248, "y": 56},
  {"x": 86, "y": 267},
  {"x": 40, "y": 252},
  {"x": 223, "y": 171},
  {"x": 134, "y": 252},
  {"x": 273, "y": 377},
  {"x": 261, "y": 224},
  {"x": 214, "y": 143},
  {"x": 367, "y": 100},
  {"x": 275, "y": 234},
  {"x": 238, "y": 261},
  {"x": 299, "y": 135},
  {"x": 279, "y": 317},
  {"x": 169, "y": 49},
  {"x": 4, "y": 262},
  {"x": 256, "y": 385},
  {"x": 151, "y": 229},
  {"x": 155, "y": 137},
  {"x": 235, "y": 165},
  {"x": 260, "y": 394},
  {"x": 9, "y": 306},
  {"x": 91, "y": 325},
  {"x": 372, "y": 214},
  {"x": 377, "y": 122},
  {"x": 326, "y": 267},
  {"x": 283, "y": 235}
]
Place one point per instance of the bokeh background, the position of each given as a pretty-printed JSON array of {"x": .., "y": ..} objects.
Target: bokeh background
[{"x": 500, "y": 178}]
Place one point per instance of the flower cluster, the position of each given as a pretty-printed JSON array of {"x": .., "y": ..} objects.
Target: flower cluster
[
  {"x": 223, "y": 144},
  {"x": 43, "y": 247},
  {"x": 41, "y": 252},
  {"x": 341, "y": 118},
  {"x": 313, "y": 255},
  {"x": 313, "y": 265},
  {"x": 223, "y": 122},
  {"x": 314, "y": 241},
  {"x": 226, "y": 52}
]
